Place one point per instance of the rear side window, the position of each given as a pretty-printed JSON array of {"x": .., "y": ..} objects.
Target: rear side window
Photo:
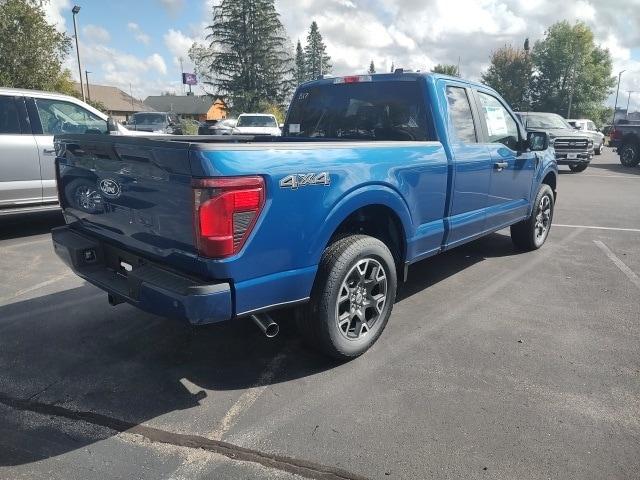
[
  {"x": 390, "y": 110},
  {"x": 9, "y": 118},
  {"x": 460, "y": 116},
  {"x": 501, "y": 126}
]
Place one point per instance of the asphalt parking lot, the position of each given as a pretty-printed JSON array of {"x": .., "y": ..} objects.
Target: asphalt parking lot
[{"x": 495, "y": 364}]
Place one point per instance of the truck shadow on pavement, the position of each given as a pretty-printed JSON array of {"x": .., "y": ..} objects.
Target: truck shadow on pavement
[
  {"x": 27, "y": 225},
  {"x": 615, "y": 168},
  {"x": 73, "y": 350}
]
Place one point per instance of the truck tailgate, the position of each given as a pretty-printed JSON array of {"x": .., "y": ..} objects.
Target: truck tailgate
[{"x": 135, "y": 193}]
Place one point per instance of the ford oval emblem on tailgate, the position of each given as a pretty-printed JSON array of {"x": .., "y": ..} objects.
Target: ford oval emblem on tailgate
[{"x": 110, "y": 188}]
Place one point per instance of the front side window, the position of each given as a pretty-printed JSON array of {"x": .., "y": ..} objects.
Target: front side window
[
  {"x": 377, "y": 111},
  {"x": 58, "y": 117},
  {"x": 501, "y": 126},
  {"x": 591, "y": 126},
  {"x": 148, "y": 119},
  {"x": 460, "y": 115},
  {"x": 9, "y": 118}
]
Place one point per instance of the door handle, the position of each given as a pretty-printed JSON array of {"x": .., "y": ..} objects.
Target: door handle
[
  {"x": 500, "y": 166},
  {"x": 48, "y": 151}
]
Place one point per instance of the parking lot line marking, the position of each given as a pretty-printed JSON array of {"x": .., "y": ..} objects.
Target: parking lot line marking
[
  {"x": 619, "y": 263},
  {"x": 249, "y": 397},
  {"x": 593, "y": 227},
  {"x": 35, "y": 287}
]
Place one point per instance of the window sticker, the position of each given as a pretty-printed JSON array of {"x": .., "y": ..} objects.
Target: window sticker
[
  {"x": 496, "y": 123},
  {"x": 294, "y": 128}
]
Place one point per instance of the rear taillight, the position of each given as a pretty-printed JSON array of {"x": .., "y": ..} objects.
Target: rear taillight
[
  {"x": 615, "y": 134},
  {"x": 225, "y": 211}
]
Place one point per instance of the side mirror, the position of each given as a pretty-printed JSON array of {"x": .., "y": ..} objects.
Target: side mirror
[
  {"x": 281, "y": 126},
  {"x": 537, "y": 141},
  {"x": 112, "y": 125}
]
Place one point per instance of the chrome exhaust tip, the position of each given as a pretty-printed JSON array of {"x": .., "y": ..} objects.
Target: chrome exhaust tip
[{"x": 266, "y": 324}]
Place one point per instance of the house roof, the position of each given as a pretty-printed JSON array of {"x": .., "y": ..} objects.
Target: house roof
[
  {"x": 114, "y": 99},
  {"x": 182, "y": 105}
]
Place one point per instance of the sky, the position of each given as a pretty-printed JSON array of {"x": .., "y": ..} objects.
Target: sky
[{"x": 138, "y": 44}]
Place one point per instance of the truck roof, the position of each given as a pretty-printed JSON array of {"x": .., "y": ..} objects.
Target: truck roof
[{"x": 401, "y": 76}]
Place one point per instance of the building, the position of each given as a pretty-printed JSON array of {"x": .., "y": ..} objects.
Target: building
[
  {"x": 118, "y": 104},
  {"x": 199, "y": 108}
]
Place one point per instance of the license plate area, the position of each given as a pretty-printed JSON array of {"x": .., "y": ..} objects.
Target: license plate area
[
  {"x": 120, "y": 261},
  {"x": 572, "y": 156}
]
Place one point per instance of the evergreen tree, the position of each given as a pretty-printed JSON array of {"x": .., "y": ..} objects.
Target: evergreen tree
[
  {"x": 31, "y": 50},
  {"x": 372, "y": 68},
  {"x": 317, "y": 62},
  {"x": 248, "y": 57},
  {"x": 301, "y": 75}
]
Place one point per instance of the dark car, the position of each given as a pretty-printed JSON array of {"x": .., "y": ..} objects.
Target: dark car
[
  {"x": 572, "y": 148},
  {"x": 161, "y": 122},
  {"x": 217, "y": 127}
]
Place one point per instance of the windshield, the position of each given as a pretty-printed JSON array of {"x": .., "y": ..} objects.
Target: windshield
[
  {"x": 257, "y": 121},
  {"x": 148, "y": 119},
  {"x": 545, "y": 120},
  {"x": 368, "y": 110}
]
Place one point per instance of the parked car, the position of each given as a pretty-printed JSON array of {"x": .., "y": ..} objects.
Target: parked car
[
  {"x": 217, "y": 127},
  {"x": 587, "y": 126},
  {"x": 571, "y": 147},
  {"x": 375, "y": 173},
  {"x": 257, "y": 124},
  {"x": 158, "y": 122},
  {"x": 625, "y": 137},
  {"x": 28, "y": 121}
]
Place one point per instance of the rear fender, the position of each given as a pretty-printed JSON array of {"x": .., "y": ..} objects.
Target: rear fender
[{"x": 362, "y": 197}]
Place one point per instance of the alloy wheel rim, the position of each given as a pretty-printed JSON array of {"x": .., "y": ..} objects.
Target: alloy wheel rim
[
  {"x": 543, "y": 218},
  {"x": 88, "y": 198},
  {"x": 628, "y": 154},
  {"x": 361, "y": 299}
]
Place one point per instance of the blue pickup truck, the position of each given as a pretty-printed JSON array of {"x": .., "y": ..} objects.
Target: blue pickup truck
[{"x": 372, "y": 174}]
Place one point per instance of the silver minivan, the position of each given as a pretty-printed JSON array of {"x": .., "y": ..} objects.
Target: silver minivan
[{"x": 28, "y": 122}]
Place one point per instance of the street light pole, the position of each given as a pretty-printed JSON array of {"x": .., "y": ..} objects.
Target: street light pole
[
  {"x": 629, "y": 99},
  {"x": 615, "y": 107},
  {"x": 75, "y": 11},
  {"x": 86, "y": 74}
]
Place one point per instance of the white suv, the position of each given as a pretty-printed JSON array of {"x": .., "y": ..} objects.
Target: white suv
[{"x": 28, "y": 121}]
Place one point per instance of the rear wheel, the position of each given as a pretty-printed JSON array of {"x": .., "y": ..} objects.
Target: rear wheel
[
  {"x": 530, "y": 234},
  {"x": 352, "y": 297},
  {"x": 578, "y": 167},
  {"x": 630, "y": 154}
]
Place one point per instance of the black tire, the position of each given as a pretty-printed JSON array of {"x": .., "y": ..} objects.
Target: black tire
[
  {"x": 629, "y": 154},
  {"x": 525, "y": 234},
  {"x": 599, "y": 150},
  {"x": 318, "y": 321},
  {"x": 578, "y": 167}
]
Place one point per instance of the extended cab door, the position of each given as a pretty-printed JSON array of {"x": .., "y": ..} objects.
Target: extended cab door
[
  {"x": 55, "y": 117},
  {"x": 20, "y": 182},
  {"x": 471, "y": 169},
  {"x": 512, "y": 168}
]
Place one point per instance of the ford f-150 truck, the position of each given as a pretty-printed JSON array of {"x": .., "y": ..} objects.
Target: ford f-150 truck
[{"x": 373, "y": 173}]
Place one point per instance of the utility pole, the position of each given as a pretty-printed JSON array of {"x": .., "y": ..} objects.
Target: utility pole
[
  {"x": 131, "y": 95},
  {"x": 182, "y": 75},
  {"x": 75, "y": 10},
  {"x": 615, "y": 107},
  {"x": 86, "y": 75}
]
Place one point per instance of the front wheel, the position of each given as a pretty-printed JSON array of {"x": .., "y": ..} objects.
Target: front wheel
[
  {"x": 352, "y": 297},
  {"x": 630, "y": 154},
  {"x": 578, "y": 167},
  {"x": 531, "y": 233}
]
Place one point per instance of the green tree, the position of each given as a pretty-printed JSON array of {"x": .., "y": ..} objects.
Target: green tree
[
  {"x": 446, "y": 69},
  {"x": 372, "y": 68},
  {"x": 572, "y": 74},
  {"x": 31, "y": 50},
  {"x": 510, "y": 75},
  {"x": 317, "y": 61},
  {"x": 247, "y": 59},
  {"x": 301, "y": 75}
]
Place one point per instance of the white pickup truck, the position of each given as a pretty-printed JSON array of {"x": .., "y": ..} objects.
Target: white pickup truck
[{"x": 28, "y": 121}]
